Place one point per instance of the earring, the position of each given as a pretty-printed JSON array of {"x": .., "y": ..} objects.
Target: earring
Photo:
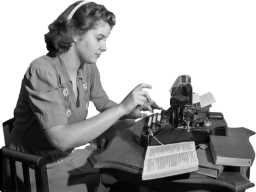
[{"x": 75, "y": 39}]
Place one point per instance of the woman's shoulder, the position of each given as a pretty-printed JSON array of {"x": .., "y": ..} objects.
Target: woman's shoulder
[
  {"x": 43, "y": 65},
  {"x": 42, "y": 62},
  {"x": 42, "y": 68}
]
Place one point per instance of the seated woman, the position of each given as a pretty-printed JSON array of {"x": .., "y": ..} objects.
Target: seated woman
[{"x": 50, "y": 116}]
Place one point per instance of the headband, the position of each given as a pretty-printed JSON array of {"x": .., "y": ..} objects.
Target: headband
[{"x": 74, "y": 10}]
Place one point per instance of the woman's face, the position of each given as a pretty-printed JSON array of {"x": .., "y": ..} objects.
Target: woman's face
[{"x": 90, "y": 46}]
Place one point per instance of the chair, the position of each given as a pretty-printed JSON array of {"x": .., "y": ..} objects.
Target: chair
[
  {"x": 7, "y": 128},
  {"x": 28, "y": 161},
  {"x": 34, "y": 162}
]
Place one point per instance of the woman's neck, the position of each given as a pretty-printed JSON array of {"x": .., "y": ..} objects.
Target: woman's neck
[{"x": 71, "y": 61}]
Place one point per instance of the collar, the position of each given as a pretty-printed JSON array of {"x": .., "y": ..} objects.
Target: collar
[
  {"x": 63, "y": 72},
  {"x": 80, "y": 74}
]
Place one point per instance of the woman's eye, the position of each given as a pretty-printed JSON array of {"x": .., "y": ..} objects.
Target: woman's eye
[{"x": 99, "y": 39}]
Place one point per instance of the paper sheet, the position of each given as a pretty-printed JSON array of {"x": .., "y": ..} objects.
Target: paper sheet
[
  {"x": 207, "y": 99},
  {"x": 196, "y": 98}
]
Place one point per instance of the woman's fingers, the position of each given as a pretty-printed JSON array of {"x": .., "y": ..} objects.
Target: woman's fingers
[
  {"x": 150, "y": 108},
  {"x": 140, "y": 100},
  {"x": 144, "y": 94},
  {"x": 146, "y": 106},
  {"x": 155, "y": 106},
  {"x": 142, "y": 86},
  {"x": 136, "y": 113},
  {"x": 149, "y": 104},
  {"x": 138, "y": 97}
]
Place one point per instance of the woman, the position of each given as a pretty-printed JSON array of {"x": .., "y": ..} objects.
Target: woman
[{"x": 50, "y": 116}]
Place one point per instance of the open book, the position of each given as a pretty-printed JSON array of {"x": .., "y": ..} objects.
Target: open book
[{"x": 171, "y": 159}]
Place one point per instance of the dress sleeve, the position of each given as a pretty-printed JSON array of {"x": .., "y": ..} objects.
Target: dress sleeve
[
  {"x": 98, "y": 95},
  {"x": 43, "y": 94}
]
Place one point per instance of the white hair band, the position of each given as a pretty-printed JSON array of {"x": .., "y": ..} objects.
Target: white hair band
[{"x": 74, "y": 10}]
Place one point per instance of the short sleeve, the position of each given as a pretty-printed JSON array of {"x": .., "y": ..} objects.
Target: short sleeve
[
  {"x": 98, "y": 95},
  {"x": 43, "y": 94}
]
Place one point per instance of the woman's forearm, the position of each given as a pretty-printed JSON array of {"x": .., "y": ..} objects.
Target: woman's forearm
[
  {"x": 69, "y": 136},
  {"x": 109, "y": 105}
]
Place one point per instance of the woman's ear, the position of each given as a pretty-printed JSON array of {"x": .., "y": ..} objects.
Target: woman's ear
[{"x": 74, "y": 36}]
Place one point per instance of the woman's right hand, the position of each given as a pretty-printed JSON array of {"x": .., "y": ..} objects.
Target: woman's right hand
[{"x": 137, "y": 97}]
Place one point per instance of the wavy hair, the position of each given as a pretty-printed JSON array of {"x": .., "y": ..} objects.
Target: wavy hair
[{"x": 60, "y": 36}]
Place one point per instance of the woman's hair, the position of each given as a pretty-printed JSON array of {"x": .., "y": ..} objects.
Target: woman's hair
[{"x": 61, "y": 31}]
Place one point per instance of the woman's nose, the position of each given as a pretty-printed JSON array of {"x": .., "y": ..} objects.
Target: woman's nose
[{"x": 103, "y": 46}]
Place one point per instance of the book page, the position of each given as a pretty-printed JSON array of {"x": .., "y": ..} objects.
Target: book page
[
  {"x": 169, "y": 162},
  {"x": 162, "y": 150},
  {"x": 171, "y": 159}
]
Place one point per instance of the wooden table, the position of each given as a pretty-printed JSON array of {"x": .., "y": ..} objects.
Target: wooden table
[{"x": 123, "y": 161}]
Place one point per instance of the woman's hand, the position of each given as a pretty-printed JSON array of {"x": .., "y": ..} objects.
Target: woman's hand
[
  {"x": 137, "y": 97},
  {"x": 135, "y": 114}
]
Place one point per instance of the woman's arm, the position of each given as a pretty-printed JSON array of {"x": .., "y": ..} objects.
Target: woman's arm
[
  {"x": 109, "y": 105},
  {"x": 44, "y": 98},
  {"x": 69, "y": 136},
  {"x": 135, "y": 114}
]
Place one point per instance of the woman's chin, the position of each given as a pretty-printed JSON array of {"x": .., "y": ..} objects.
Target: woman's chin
[
  {"x": 95, "y": 61},
  {"x": 92, "y": 61}
]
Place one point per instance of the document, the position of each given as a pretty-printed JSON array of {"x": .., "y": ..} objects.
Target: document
[
  {"x": 168, "y": 160},
  {"x": 207, "y": 99},
  {"x": 196, "y": 98}
]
